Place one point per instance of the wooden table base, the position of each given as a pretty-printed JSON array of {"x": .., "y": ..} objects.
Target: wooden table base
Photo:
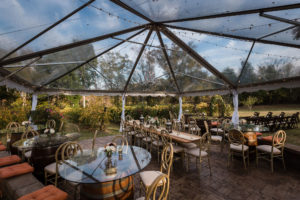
[{"x": 118, "y": 189}]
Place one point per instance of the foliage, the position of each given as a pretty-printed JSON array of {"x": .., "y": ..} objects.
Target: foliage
[
  {"x": 15, "y": 112},
  {"x": 95, "y": 114},
  {"x": 46, "y": 111},
  {"x": 250, "y": 101},
  {"x": 217, "y": 106}
]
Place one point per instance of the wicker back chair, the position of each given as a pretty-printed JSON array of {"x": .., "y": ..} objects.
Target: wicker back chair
[
  {"x": 50, "y": 124},
  {"x": 275, "y": 150},
  {"x": 237, "y": 145}
]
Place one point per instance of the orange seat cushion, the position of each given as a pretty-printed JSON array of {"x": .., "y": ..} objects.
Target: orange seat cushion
[
  {"x": 269, "y": 138},
  {"x": 15, "y": 170},
  {"x": 0, "y": 142},
  {"x": 2, "y": 147},
  {"x": 49, "y": 192},
  {"x": 258, "y": 134},
  {"x": 9, "y": 160},
  {"x": 215, "y": 123}
]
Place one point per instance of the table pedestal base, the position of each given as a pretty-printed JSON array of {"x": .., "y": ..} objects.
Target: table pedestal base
[{"x": 118, "y": 189}]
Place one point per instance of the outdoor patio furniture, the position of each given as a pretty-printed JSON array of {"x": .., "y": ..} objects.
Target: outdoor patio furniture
[
  {"x": 47, "y": 192},
  {"x": 237, "y": 146},
  {"x": 200, "y": 153},
  {"x": 148, "y": 177},
  {"x": 194, "y": 129},
  {"x": 26, "y": 153},
  {"x": 50, "y": 124},
  {"x": 269, "y": 152},
  {"x": 105, "y": 176},
  {"x": 159, "y": 187}
]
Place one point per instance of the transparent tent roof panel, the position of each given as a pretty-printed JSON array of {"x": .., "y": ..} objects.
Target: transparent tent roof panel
[
  {"x": 179, "y": 9},
  {"x": 108, "y": 72},
  {"x": 249, "y": 26},
  {"x": 21, "y": 20},
  {"x": 99, "y": 18},
  {"x": 270, "y": 62}
]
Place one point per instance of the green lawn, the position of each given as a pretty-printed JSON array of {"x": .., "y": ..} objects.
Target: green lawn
[
  {"x": 112, "y": 129},
  {"x": 276, "y": 109}
]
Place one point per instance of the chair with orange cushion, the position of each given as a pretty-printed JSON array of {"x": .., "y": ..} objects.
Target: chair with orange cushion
[
  {"x": 49, "y": 192},
  {"x": 275, "y": 150}
]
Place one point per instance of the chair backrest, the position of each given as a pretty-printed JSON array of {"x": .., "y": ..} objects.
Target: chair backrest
[
  {"x": 69, "y": 150},
  {"x": 123, "y": 143},
  {"x": 163, "y": 183},
  {"x": 191, "y": 120},
  {"x": 166, "y": 159},
  {"x": 64, "y": 152},
  {"x": 29, "y": 134},
  {"x": 204, "y": 142},
  {"x": 12, "y": 125},
  {"x": 51, "y": 123},
  {"x": 128, "y": 118},
  {"x": 278, "y": 139},
  {"x": 164, "y": 137},
  {"x": 194, "y": 129},
  {"x": 171, "y": 115},
  {"x": 206, "y": 126},
  {"x": 236, "y": 137},
  {"x": 163, "y": 122},
  {"x": 226, "y": 124}
]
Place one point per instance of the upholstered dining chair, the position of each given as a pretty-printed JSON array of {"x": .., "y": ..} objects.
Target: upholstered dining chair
[
  {"x": 275, "y": 150},
  {"x": 159, "y": 188},
  {"x": 237, "y": 146},
  {"x": 156, "y": 143},
  {"x": 200, "y": 153},
  {"x": 148, "y": 177}
]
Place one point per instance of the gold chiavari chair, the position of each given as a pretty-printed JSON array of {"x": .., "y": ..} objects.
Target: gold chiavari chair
[{"x": 269, "y": 152}]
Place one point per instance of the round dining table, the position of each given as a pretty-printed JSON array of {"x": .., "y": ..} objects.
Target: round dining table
[{"x": 102, "y": 177}]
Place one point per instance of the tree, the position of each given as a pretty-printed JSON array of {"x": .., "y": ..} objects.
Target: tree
[{"x": 250, "y": 101}]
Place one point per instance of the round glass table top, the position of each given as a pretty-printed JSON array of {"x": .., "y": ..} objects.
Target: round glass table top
[
  {"x": 41, "y": 141},
  {"x": 251, "y": 127},
  {"x": 96, "y": 167}
]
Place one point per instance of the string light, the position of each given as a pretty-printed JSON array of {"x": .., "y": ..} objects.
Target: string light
[{"x": 238, "y": 49}]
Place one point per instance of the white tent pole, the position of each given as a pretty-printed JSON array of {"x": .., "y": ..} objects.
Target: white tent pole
[
  {"x": 123, "y": 112},
  {"x": 180, "y": 108},
  {"x": 235, "y": 115},
  {"x": 33, "y": 104}
]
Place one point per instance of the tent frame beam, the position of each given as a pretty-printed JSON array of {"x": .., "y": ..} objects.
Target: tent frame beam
[
  {"x": 232, "y": 36},
  {"x": 69, "y": 46},
  {"x": 89, "y": 60},
  {"x": 195, "y": 55},
  {"x": 47, "y": 29},
  {"x": 245, "y": 12},
  {"x": 279, "y": 19},
  {"x": 130, "y": 9},
  {"x": 167, "y": 58},
  {"x": 137, "y": 59}
]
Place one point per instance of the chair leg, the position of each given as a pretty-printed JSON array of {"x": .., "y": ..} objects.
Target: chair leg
[
  {"x": 272, "y": 166},
  {"x": 229, "y": 156},
  {"x": 283, "y": 163},
  {"x": 209, "y": 165},
  {"x": 256, "y": 157},
  {"x": 244, "y": 160},
  {"x": 46, "y": 178},
  {"x": 199, "y": 168},
  {"x": 187, "y": 163},
  {"x": 248, "y": 158}
]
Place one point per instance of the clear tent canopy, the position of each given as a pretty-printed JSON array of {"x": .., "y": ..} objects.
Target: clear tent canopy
[{"x": 155, "y": 48}]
